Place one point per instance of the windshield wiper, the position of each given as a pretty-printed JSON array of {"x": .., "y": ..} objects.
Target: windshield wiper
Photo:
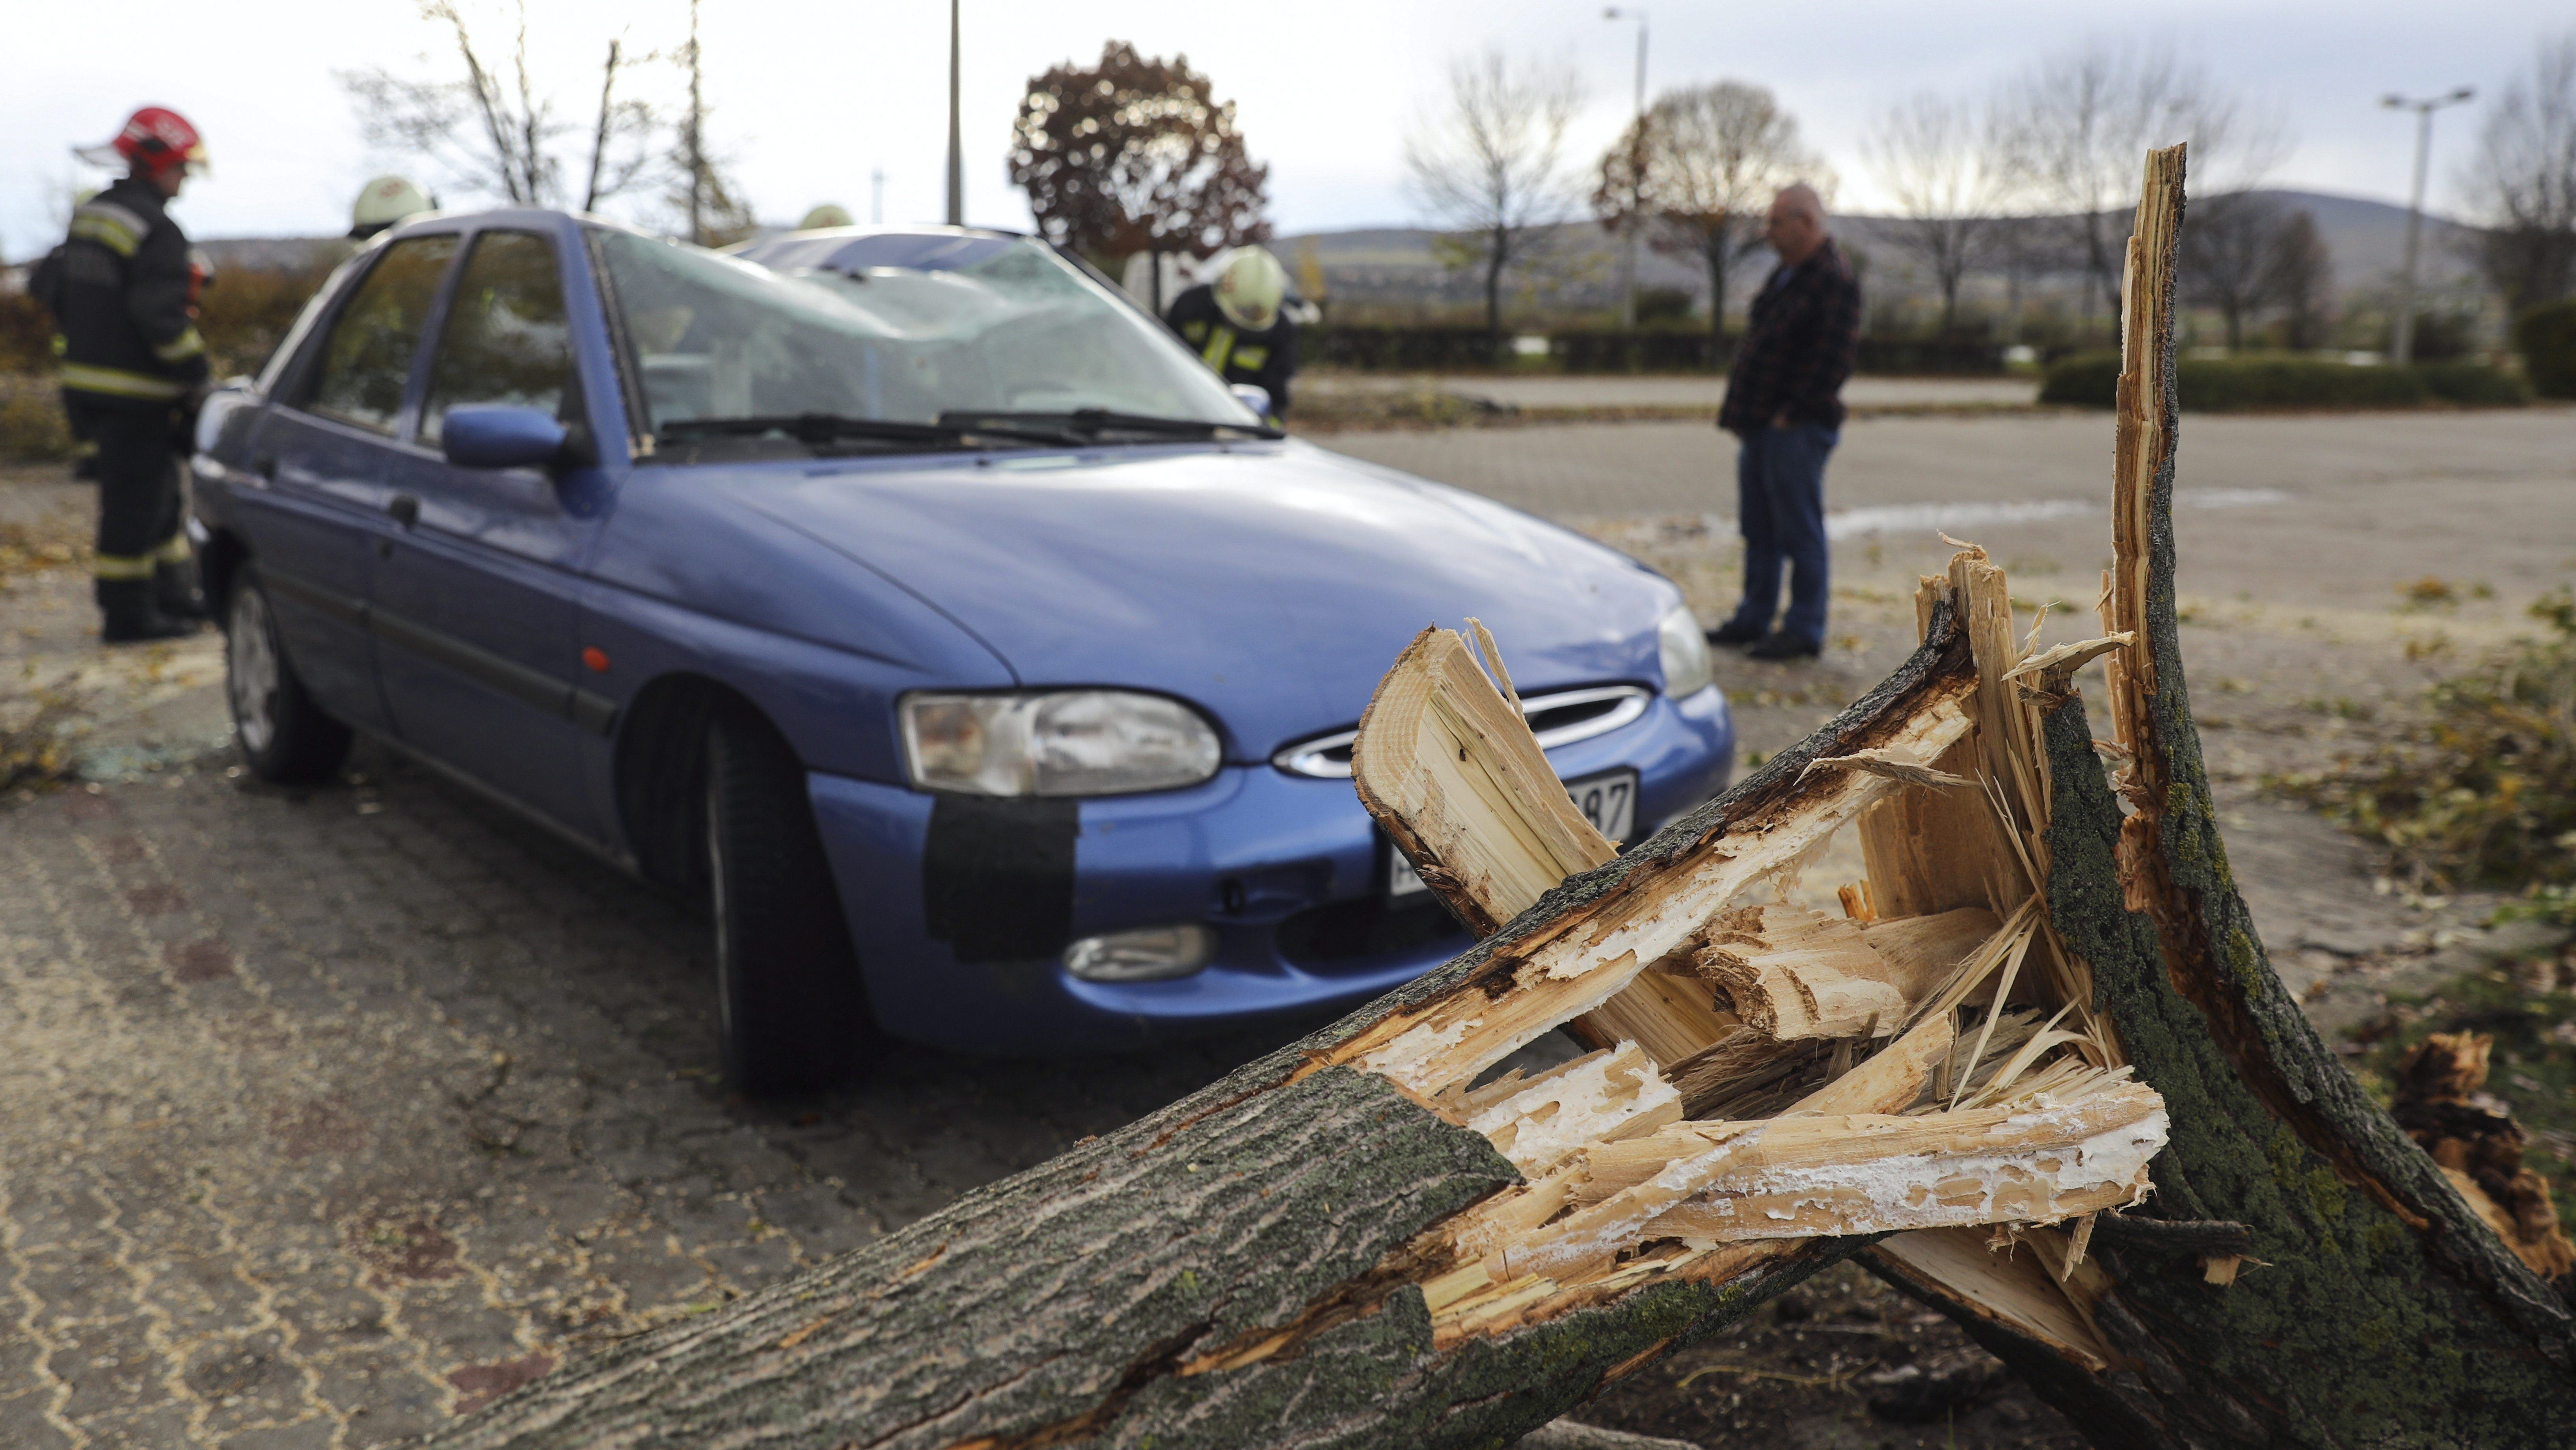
[
  {"x": 1090, "y": 423},
  {"x": 820, "y": 428}
]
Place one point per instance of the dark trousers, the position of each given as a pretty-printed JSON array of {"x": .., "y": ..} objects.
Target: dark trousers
[
  {"x": 1780, "y": 505},
  {"x": 139, "y": 525}
]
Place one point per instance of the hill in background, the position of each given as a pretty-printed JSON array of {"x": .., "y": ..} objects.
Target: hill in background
[{"x": 1575, "y": 265}]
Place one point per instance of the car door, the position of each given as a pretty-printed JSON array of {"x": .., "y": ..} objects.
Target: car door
[
  {"x": 322, "y": 461},
  {"x": 475, "y": 604}
]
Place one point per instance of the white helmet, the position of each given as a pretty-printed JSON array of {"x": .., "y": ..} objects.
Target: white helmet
[
  {"x": 384, "y": 202},
  {"x": 1250, "y": 285},
  {"x": 826, "y": 215}
]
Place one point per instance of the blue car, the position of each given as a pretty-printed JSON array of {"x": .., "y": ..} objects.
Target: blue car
[{"x": 981, "y": 659}]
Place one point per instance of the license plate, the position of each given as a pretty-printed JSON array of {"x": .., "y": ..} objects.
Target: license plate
[{"x": 1608, "y": 800}]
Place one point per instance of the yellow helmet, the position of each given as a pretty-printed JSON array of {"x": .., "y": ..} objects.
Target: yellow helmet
[
  {"x": 826, "y": 215},
  {"x": 1250, "y": 285},
  {"x": 385, "y": 202}
]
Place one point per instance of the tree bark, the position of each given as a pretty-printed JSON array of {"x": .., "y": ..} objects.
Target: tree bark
[
  {"x": 1305, "y": 1253},
  {"x": 1716, "y": 253},
  {"x": 2376, "y": 1308}
]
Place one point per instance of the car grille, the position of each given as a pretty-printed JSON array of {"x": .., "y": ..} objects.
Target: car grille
[{"x": 1558, "y": 718}]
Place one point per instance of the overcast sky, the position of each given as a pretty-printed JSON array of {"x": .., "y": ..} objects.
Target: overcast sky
[{"x": 809, "y": 99}]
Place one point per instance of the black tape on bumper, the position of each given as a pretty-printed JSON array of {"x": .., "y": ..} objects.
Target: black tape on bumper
[{"x": 997, "y": 876}]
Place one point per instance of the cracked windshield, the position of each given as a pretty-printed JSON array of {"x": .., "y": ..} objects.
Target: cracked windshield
[{"x": 900, "y": 334}]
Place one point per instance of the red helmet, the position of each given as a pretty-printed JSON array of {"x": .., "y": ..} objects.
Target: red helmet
[{"x": 155, "y": 140}]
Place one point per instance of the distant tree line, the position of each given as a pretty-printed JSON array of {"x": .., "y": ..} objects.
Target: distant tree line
[{"x": 2032, "y": 177}]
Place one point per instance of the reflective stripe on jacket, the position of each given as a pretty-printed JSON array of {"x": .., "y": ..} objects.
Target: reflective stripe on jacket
[{"x": 120, "y": 299}]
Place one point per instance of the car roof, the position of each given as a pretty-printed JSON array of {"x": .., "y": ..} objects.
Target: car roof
[
  {"x": 856, "y": 249},
  {"x": 919, "y": 247}
]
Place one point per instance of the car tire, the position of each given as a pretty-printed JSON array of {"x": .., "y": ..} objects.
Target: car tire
[
  {"x": 283, "y": 736},
  {"x": 791, "y": 1009}
]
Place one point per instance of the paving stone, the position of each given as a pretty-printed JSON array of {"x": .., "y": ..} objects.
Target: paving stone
[
  {"x": 109, "y": 1368},
  {"x": 317, "y": 1433}
]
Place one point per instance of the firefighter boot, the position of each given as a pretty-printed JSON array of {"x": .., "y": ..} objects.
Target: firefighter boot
[
  {"x": 132, "y": 618},
  {"x": 174, "y": 592}
]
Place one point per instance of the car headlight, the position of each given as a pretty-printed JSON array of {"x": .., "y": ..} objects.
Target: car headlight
[
  {"x": 1062, "y": 743},
  {"x": 1685, "y": 654}
]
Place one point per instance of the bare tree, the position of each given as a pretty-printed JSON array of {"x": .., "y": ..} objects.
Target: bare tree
[
  {"x": 1940, "y": 161},
  {"x": 2299, "y": 278},
  {"x": 1136, "y": 154},
  {"x": 495, "y": 131},
  {"x": 2524, "y": 179},
  {"x": 1488, "y": 166},
  {"x": 1713, "y": 156},
  {"x": 2075, "y": 122},
  {"x": 618, "y": 120},
  {"x": 703, "y": 196},
  {"x": 2228, "y": 250}
]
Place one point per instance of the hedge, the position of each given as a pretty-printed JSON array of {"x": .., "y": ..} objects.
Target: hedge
[
  {"x": 1605, "y": 350},
  {"x": 2473, "y": 383},
  {"x": 2547, "y": 337},
  {"x": 2219, "y": 385}
]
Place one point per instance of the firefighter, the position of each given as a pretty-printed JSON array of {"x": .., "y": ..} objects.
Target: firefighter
[
  {"x": 122, "y": 291},
  {"x": 385, "y": 203},
  {"x": 1236, "y": 324}
]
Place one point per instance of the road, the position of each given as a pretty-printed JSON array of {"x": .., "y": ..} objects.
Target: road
[{"x": 326, "y": 1113}]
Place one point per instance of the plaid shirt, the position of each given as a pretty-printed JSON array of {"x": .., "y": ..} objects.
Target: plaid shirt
[{"x": 1799, "y": 346}]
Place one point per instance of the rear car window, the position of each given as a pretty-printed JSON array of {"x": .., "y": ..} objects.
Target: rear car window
[
  {"x": 506, "y": 339},
  {"x": 366, "y": 361}
]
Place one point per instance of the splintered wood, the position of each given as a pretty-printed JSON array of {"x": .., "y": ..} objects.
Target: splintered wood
[
  {"x": 1926, "y": 1063},
  {"x": 1469, "y": 794}
]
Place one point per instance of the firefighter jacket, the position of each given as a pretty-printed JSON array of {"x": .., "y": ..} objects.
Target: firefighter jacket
[
  {"x": 119, "y": 290},
  {"x": 1266, "y": 359}
]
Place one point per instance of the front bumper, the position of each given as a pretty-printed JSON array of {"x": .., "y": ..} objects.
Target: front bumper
[{"x": 1287, "y": 870}]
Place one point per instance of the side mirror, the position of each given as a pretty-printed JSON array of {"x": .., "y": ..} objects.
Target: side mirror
[
  {"x": 1255, "y": 397},
  {"x": 491, "y": 435}
]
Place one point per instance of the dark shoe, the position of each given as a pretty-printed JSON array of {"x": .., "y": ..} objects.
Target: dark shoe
[
  {"x": 145, "y": 628},
  {"x": 129, "y": 616},
  {"x": 174, "y": 592},
  {"x": 1732, "y": 632},
  {"x": 1785, "y": 647}
]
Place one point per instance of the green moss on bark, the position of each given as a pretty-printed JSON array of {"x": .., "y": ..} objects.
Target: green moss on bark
[{"x": 2351, "y": 1333}]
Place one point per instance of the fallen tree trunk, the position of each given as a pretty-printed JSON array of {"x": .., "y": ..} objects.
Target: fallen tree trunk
[
  {"x": 1373, "y": 1238},
  {"x": 1293, "y": 1255},
  {"x": 2304, "y": 1274}
]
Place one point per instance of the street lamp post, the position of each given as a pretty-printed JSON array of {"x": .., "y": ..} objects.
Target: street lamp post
[
  {"x": 1636, "y": 175},
  {"x": 956, "y": 144},
  {"x": 2401, "y": 347}
]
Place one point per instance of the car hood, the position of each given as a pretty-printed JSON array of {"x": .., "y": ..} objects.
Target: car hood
[{"x": 1271, "y": 584}]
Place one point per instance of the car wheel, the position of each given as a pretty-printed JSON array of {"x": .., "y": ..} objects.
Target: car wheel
[
  {"x": 284, "y": 737},
  {"x": 790, "y": 1005}
]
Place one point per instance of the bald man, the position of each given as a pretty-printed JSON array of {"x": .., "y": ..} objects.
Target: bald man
[{"x": 1784, "y": 402}]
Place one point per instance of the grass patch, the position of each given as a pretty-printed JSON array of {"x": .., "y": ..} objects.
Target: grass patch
[
  {"x": 2484, "y": 793},
  {"x": 2235, "y": 384}
]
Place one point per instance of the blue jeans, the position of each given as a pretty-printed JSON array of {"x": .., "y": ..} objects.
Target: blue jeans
[{"x": 1780, "y": 505}]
